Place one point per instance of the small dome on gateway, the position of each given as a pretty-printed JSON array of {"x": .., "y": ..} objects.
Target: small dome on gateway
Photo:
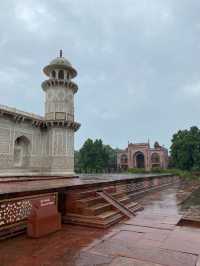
[{"x": 60, "y": 63}]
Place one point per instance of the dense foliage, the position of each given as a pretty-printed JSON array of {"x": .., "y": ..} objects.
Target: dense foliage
[
  {"x": 185, "y": 149},
  {"x": 95, "y": 157}
]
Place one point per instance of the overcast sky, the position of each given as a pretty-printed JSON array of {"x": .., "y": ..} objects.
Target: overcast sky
[{"x": 138, "y": 63}]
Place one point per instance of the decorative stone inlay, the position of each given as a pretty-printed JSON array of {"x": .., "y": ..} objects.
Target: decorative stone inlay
[
  {"x": 12, "y": 212},
  {"x": 16, "y": 210}
]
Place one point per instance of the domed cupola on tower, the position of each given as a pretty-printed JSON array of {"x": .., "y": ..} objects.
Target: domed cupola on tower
[{"x": 60, "y": 89}]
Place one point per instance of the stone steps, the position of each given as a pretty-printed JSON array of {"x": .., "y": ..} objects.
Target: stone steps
[
  {"x": 108, "y": 214},
  {"x": 93, "y": 210},
  {"x": 92, "y": 193},
  {"x": 93, "y": 221},
  {"x": 100, "y": 207},
  {"x": 88, "y": 208},
  {"x": 91, "y": 201},
  {"x": 95, "y": 199},
  {"x": 102, "y": 220}
]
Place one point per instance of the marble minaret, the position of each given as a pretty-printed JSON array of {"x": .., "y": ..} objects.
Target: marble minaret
[
  {"x": 33, "y": 145},
  {"x": 59, "y": 114}
]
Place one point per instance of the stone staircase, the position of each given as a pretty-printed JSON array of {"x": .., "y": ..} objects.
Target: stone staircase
[{"x": 89, "y": 208}]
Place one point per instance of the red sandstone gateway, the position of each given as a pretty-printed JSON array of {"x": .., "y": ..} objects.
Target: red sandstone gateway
[{"x": 141, "y": 155}]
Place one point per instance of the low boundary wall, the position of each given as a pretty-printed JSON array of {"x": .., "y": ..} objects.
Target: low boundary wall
[{"x": 14, "y": 211}]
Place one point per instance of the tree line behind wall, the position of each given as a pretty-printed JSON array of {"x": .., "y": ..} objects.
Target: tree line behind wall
[{"x": 95, "y": 157}]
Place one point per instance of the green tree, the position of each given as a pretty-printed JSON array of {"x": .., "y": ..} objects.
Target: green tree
[
  {"x": 185, "y": 149},
  {"x": 111, "y": 165},
  {"x": 94, "y": 156}
]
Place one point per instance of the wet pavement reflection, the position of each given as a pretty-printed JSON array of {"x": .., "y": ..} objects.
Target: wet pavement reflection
[{"x": 152, "y": 238}]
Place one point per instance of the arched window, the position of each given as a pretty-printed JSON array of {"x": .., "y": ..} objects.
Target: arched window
[
  {"x": 155, "y": 160},
  {"x": 53, "y": 74},
  {"x": 61, "y": 74}
]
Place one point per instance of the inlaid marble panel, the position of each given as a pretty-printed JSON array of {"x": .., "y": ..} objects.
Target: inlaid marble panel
[{"x": 15, "y": 210}]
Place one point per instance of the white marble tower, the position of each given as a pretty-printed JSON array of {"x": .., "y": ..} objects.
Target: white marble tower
[
  {"x": 59, "y": 114},
  {"x": 32, "y": 145}
]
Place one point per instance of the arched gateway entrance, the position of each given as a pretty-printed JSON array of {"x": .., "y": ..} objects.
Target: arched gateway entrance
[{"x": 139, "y": 160}]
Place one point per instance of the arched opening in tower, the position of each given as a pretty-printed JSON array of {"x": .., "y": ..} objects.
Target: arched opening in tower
[
  {"x": 61, "y": 74},
  {"x": 54, "y": 74}
]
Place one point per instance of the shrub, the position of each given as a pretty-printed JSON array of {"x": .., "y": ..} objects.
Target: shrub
[{"x": 137, "y": 171}]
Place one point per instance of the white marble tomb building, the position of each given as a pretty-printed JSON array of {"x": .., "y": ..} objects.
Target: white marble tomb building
[{"x": 32, "y": 145}]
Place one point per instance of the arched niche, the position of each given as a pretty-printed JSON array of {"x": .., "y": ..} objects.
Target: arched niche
[
  {"x": 123, "y": 158},
  {"x": 155, "y": 159},
  {"x": 22, "y": 152}
]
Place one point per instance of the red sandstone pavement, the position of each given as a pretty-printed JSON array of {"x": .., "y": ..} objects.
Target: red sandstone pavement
[{"x": 152, "y": 238}]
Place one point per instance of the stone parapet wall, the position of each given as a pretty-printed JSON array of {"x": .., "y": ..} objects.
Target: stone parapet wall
[{"x": 14, "y": 209}]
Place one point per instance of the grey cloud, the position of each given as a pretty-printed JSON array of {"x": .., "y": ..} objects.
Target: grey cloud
[{"x": 138, "y": 63}]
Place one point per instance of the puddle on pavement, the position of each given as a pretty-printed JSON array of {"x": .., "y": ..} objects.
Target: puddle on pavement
[
  {"x": 177, "y": 200},
  {"x": 190, "y": 209}
]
